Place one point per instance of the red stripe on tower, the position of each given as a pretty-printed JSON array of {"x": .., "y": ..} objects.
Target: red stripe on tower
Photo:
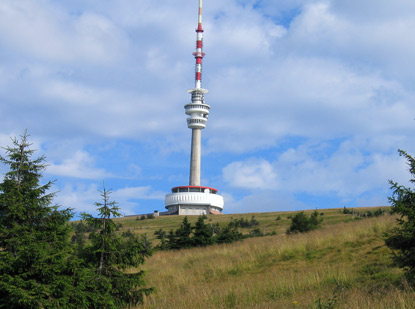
[{"x": 198, "y": 76}]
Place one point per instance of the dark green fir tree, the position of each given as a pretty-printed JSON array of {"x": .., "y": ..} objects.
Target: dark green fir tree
[
  {"x": 110, "y": 255},
  {"x": 402, "y": 238},
  {"x": 203, "y": 235},
  {"x": 36, "y": 270},
  {"x": 183, "y": 239}
]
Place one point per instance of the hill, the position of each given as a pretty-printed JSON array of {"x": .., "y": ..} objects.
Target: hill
[
  {"x": 345, "y": 264},
  {"x": 268, "y": 222}
]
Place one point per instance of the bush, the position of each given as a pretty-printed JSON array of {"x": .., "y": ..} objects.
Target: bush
[
  {"x": 228, "y": 235},
  {"x": 243, "y": 223},
  {"x": 378, "y": 212},
  {"x": 347, "y": 211},
  {"x": 256, "y": 233},
  {"x": 301, "y": 223}
]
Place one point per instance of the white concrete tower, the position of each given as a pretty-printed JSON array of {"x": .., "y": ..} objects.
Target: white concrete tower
[
  {"x": 197, "y": 110},
  {"x": 195, "y": 199}
]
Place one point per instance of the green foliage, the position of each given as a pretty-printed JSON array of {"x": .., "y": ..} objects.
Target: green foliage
[
  {"x": 301, "y": 223},
  {"x": 203, "y": 235},
  {"x": 109, "y": 255},
  {"x": 215, "y": 227},
  {"x": 146, "y": 242},
  {"x": 36, "y": 261},
  {"x": 367, "y": 214},
  {"x": 402, "y": 238},
  {"x": 162, "y": 236},
  {"x": 183, "y": 239},
  {"x": 229, "y": 234},
  {"x": 243, "y": 223},
  {"x": 347, "y": 211},
  {"x": 256, "y": 233},
  {"x": 144, "y": 217},
  {"x": 79, "y": 238},
  {"x": 171, "y": 240},
  {"x": 200, "y": 235},
  {"x": 379, "y": 212}
]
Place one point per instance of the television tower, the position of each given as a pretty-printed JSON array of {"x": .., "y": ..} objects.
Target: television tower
[
  {"x": 197, "y": 110},
  {"x": 195, "y": 199}
]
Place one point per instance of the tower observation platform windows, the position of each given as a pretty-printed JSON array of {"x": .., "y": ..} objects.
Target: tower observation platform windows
[{"x": 196, "y": 189}]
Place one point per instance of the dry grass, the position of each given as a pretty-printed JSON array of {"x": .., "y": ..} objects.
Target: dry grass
[
  {"x": 267, "y": 221},
  {"x": 345, "y": 265}
]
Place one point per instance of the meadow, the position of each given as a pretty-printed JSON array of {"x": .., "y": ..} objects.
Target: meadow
[{"x": 345, "y": 264}]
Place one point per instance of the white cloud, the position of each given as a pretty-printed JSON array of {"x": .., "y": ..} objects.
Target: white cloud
[
  {"x": 252, "y": 174},
  {"x": 80, "y": 197},
  {"x": 304, "y": 97},
  {"x": 330, "y": 29},
  {"x": 79, "y": 165},
  {"x": 138, "y": 193},
  {"x": 44, "y": 30},
  {"x": 130, "y": 199},
  {"x": 346, "y": 172}
]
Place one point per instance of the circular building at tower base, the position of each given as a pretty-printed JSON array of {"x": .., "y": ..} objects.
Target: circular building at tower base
[{"x": 193, "y": 201}]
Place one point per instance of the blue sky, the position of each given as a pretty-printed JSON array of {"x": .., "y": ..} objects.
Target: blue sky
[{"x": 310, "y": 100}]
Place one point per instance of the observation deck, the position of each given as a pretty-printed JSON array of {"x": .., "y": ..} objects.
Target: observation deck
[
  {"x": 193, "y": 200},
  {"x": 197, "y": 109}
]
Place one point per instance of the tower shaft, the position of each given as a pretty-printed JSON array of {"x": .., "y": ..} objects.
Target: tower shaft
[{"x": 195, "y": 157}]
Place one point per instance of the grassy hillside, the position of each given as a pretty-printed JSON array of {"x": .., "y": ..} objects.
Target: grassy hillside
[
  {"x": 343, "y": 265},
  {"x": 267, "y": 221}
]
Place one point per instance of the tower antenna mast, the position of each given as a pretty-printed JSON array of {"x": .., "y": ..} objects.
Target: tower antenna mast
[
  {"x": 197, "y": 110},
  {"x": 199, "y": 54}
]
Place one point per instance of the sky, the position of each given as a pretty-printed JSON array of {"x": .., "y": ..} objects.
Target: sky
[{"x": 310, "y": 100}]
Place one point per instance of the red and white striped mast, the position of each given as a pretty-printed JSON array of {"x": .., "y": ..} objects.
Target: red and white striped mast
[
  {"x": 199, "y": 54},
  {"x": 197, "y": 110}
]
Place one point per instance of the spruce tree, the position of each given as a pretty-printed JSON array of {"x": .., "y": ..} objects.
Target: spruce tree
[
  {"x": 228, "y": 234},
  {"x": 109, "y": 255},
  {"x": 301, "y": 223},
  {"x": 402, "y": 238},
  {"x": 171, "y": 240},
  {"x": 35, "y": 268},
  {"x": 162, "y": 236},
  {"x": 183, "y": 239},
  {"x": 203, "y": 235}
]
